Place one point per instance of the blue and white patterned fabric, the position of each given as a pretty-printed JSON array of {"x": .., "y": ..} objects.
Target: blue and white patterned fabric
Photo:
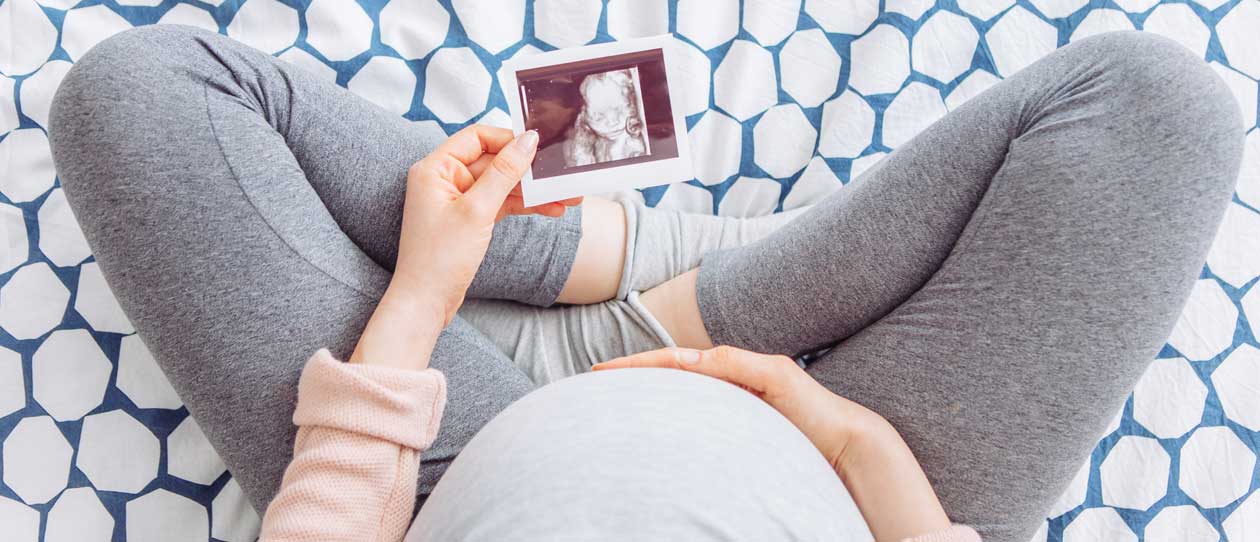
[{"x": 786, "y": 101}]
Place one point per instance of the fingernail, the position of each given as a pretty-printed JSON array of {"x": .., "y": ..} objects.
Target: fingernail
[
  {"x": 687, "y": 356},
  {"x": 527, "y": 141}
]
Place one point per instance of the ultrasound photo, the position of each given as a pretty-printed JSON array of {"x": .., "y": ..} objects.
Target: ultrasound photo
[{"x": 598, "y": 113}]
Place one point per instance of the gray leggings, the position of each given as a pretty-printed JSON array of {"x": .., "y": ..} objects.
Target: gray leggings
[{"x": 994, "y": 287}]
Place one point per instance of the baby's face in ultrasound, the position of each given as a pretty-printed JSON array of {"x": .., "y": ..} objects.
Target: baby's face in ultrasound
[{"x": 607, "y": 111}]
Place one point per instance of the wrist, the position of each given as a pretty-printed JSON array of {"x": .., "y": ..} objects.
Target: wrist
[
  {"x": 888, "y": 484},
  {"x": 868, "y": 436},
  {"x": 402, "y": 330},
  {"x": 441, "y": 300},
  {"x": 420, "y": 304}
]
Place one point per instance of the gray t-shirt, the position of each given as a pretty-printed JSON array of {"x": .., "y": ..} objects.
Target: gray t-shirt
[{"x": 639, "y": 454}]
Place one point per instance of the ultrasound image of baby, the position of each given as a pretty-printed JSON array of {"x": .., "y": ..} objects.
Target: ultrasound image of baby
[
  {"x": 604, "y": 117},
  {"x": 610, "y": 125}
]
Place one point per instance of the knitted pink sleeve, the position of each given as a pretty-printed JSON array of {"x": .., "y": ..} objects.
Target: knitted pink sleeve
[
  {"x": 361, "y": 429},
  {"x": 956, "y": 533}
]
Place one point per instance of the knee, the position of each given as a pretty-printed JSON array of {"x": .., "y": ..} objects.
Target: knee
[
  {"x": 127, "y": 62},
  {"x": 92, "y": 97},
  {"x": 125, "y": 55},
  {"x": 125, "y": 73},
  {"x": 105, "y": 74},
  {"x": 1146, "y": 55},
  {"x": 141, "y": 42},
  {"x": 1160, "y": 74},
  {"x": 112, "y": 89},
  {"x": 1161, "y": 84}
]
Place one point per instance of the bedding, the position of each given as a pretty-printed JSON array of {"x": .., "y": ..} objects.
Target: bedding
[{"x": 786, "y": 101}]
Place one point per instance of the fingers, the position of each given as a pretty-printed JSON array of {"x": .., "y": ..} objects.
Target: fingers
[
  {"x": 494, "y": 184},
  {"x": 748, "y": 369},
  {"x": 514, "y": 206},
  {"x": 756, "y": 372},
  {"x": 478, "y": 166},
  {"x": 463, "y": 156},
  {"x": 554, "y": 210},
  {"x": 484, "y": 151},
  {"x": 664, "y": 357},
  {"x": 468, "y": 144}
]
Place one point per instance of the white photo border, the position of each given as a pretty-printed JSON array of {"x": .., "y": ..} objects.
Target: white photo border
[{"x": 611, "y": 179}]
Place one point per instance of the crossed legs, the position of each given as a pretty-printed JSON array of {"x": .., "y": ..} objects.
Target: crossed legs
[{"x": 993, "y": 288}]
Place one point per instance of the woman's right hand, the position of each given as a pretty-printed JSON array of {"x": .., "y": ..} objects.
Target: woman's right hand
[
  {"x": 450, "y": 212},
  {"x": 455, "y": 195}
]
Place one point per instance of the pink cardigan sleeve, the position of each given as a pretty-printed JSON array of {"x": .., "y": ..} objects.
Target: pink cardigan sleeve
[
  {"x": 361, "y": 429},
  {"x": 956, "y": 533}
]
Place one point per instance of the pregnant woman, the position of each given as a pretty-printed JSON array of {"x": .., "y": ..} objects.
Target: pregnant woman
[{"x": 982, "y": 300}]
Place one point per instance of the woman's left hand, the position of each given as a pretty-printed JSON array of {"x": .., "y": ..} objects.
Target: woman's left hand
[
  {"x": 879, "y": 470},
  {"x": 828, "y": 420}
]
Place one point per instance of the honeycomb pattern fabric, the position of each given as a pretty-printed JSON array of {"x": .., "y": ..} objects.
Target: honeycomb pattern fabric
[{"x": 786, "y": 101}]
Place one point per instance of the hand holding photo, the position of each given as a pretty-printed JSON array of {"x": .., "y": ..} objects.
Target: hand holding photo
[{"x": 605, "y": 118}]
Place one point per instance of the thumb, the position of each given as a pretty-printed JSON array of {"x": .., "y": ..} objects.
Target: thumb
[{"x": 504, "y": 173}]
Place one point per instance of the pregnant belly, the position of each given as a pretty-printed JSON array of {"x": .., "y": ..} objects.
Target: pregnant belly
[{"x": 639, "y": 454}]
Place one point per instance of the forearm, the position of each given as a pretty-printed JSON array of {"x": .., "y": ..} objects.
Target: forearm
[{"x": 888, "y": 485}]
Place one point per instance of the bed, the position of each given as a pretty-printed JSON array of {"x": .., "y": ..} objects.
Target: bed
[{"x": 97, "y": 447}]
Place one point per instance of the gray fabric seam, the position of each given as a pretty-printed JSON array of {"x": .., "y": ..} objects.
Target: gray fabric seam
[
  {"x": 648, "y": 318},
  {"x": 712, "y": 308},
  {"x": 632, "y": 235},
  {"x": 248, "y": 198},
  {"x": 271, "y": 227}
]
